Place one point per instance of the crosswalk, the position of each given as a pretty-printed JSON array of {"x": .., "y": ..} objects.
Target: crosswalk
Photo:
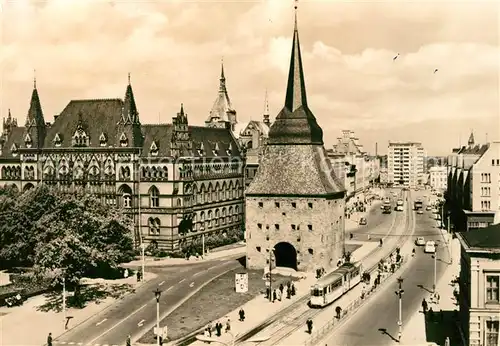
[{"x": 79, "y": 343}]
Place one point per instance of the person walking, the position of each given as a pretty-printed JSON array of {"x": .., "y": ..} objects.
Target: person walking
[
  {"x": 293, "y": 289},
  {"x": 309, "y": 324},
  {"x": 281, "y": 288},
  {"x": 242, "y": 315},
  {"x": 338, "y": 311},
  {"x": 274, "y": 295},
  {"x": 49, "y": 340},
  {"x": 128, "y": 343},
  {"x": 228, "y": 325},
  {"x": 209, "y": 328},
  {"x": 424, "y": 306}
]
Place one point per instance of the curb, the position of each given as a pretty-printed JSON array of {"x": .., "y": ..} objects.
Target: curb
[
  {"x": 135, "y": 338},
  {"x": 101, "y": 311}
]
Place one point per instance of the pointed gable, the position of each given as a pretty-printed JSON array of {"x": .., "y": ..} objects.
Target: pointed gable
[{"x": 295, "y": 124}]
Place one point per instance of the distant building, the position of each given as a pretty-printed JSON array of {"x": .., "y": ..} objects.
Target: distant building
[
  {"x": 438, "y": 177},
  {"x": 473, "y": 187},
  {"x": 384, "y": 176},
  {"x": 351, "y": 164},
  {"x": 252, "y": 137},
  {"x": 479, "y": 286},
  {"x": 405, "y": 161},
  {"x": 295, "y": 204},
  {"x": 178, "y": 181}
]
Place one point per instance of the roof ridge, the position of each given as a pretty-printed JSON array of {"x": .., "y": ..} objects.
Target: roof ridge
[{"x": 98, "y": 99}]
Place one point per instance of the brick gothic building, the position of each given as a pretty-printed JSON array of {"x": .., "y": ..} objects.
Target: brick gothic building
[
  {"x": 295, "y": 204},
  {"x": 189, "y": 179}
]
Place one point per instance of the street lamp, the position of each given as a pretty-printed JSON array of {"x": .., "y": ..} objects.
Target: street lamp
[
  {"x": 435, "y": 265},
  {"x": 64, "y": 301},
  {"x": 271, "y": 253},
  {"x": 399, "y": 293},
  {"x": 157, "y": 295},
  {"x": 143, "y": 248}
]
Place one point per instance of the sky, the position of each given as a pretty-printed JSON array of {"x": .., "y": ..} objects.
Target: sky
[{"x": 84, "y": 49}]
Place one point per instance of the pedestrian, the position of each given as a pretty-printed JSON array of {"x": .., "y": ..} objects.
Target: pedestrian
[
  {"x": 274, "y": 295},
  {"x": 125, "y": 273},
  {"x": 424, "y": 306},
  {"x": 49, "y": 340},
  {"x": 309, "y": 325},
  {"x": 268, "y": 293},
  {"x": 293, "y": 289},
  {"x": 242, "y": 315},
  {"x": 209, "y": 328},
  {"x": 206, "y": 333},
  {"x": 281, "y": 288},
  {"x": 228, "y": 325},
  {"x": 338, "y": 310},
  {"x": 218, "y": 328},
  {"x": 288, "y": 292},
  {"x": 129, "y": 343}
]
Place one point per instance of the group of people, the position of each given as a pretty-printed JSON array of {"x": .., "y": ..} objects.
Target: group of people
[
  {"x": 277, "y": 294},
  {"x": 219, "y": 326}
]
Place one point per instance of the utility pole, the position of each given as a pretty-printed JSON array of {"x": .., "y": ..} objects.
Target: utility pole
[
  {"x": 399, "y": 293},
  {"x": 158, "y": 334},
  {"x": 143, "y": 246},
  {"x": 450, "y": 238},
  {"x": 435, "y": 265},
  {"x": 270, "y": 274},
  {"x": 64, "y": 302},
  {"x": 203, "y": 245}
]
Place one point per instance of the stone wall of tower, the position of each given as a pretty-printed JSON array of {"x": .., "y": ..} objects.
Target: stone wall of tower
[{"x": 294, "y": 215}]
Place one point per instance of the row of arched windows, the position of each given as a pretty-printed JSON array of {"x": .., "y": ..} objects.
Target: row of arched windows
[
  {"x": 11, "y": 173},
  {"x": 218, "y": 192},
  {"x": 216, "y": 168},
  {"x": 219, "y": 216},
  {"x": 148, "y": 173}
]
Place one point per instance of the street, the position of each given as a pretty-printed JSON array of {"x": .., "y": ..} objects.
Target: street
[
  {"x": 362, "y": 328},
  {"x": 136, "y": 313}
]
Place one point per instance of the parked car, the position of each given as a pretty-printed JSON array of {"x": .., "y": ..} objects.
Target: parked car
[
  {"x": 430, "y": 247},
  {"x": 362, "y": 221},
  {"x": 420, "y": 211},
  {"x": 428, "y": 208},
  {"x": 420, "y": 241}
]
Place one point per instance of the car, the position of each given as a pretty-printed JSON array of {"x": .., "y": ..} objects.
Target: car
[
  {"x": 420, "y": 211},
  {"x": 420, "y": 241},
  {"x": 362, "y": 221},
  {"x": 382, "y": 206},
  {"x": 399, "y": 208},
  {"x": 428, "y": 208},
  {"x": 430, "y": 247}
]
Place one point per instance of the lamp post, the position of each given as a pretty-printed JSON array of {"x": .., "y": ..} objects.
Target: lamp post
[
  {"x": 450, "y": 245},
  {"x": 143, "y": 247},
  {"x": 435, "y": 265},
  {"x": 271, "y": 253},
  {"x": 64, "y": 301},
  {"x": 399, "y": 293},
  {"x": 157, "y": 295}
]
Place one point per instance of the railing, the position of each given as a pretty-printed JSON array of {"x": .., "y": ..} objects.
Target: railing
[{"x": 352, "y": 307}]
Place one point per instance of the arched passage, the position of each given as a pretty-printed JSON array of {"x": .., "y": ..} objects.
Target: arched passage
[{"x": 286, "y": 255}]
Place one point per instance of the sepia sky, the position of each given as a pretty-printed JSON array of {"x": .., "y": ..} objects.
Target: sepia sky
[{"x": 84, "y": 49}]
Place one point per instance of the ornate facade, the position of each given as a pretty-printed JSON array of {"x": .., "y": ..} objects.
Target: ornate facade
[
  {"x": 182, "y": 180},
  {"x": 295, "y": 203}
]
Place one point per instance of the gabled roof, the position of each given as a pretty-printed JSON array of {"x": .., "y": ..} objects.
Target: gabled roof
[
  {"x": 474, "y": 150},
  {"x": 345, "y": 147},
  {"x": 161, "y": 135},
  {"x": 240, "y": 129},
  {"x": 484, "y": 238},
  {"x": 15, "y": 137},
  {"x": 97, "y": 117}
]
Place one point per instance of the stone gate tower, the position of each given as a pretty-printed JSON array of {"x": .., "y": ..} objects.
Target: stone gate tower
[{"x": 295, "y": 204}]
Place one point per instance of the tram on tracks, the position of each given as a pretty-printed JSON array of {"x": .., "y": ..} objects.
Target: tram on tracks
[{"x": 332, "y": 286}]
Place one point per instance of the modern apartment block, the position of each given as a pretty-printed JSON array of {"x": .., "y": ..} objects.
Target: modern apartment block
[
  {"x": 479, "y": 297},
  {"x": 405, "y": 163},
  {"x": 473, "y": 191},
  {"x": 438, "y": 177}
]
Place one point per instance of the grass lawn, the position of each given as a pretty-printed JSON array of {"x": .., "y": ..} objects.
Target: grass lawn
[{"x": 212, "y": 302}]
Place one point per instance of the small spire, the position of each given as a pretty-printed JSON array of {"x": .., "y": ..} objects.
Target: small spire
[
  {"x": 34, "y": 79},
  {"x": 182, "y": 109},
  {"x": 129, "y": 78},
  {"x": 222, "y": 77},
  {"x": 295, "y": 7},
  {"x": 266, "y": 110}
]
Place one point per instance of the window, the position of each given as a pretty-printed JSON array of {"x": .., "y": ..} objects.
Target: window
[
  {"x": 277, "y": 227},
  {"x": 310, "y": 205},
  {"x": 294, "y": 227},
  {"x": 154, "y": 199},
  {"x": 259, "y": 226},
  {"x": 492, "y": 289},
  {"x": 491, "y": 335},
  {"x": 154, "y": 226},
  {"x": 310, "y": 227},
  {"x": 258, "y": 248},
  {"x": 127, "y": 200},
  {"x": 277, "y": 204},
  {"x": 294, "y": 205},
  {"x": 261, "y": 205},
  {"x": 311, "y": 251}
]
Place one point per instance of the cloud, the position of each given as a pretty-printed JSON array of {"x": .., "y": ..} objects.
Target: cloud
[{"x": 84, "y": 49}]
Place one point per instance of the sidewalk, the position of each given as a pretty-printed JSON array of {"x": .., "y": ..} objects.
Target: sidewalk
[
  {"x": 260, "y": 309},
  {"x": 152, "y": 261},
  {"x": 417, "y": 330},
  {"x": 26, "y": 326}
]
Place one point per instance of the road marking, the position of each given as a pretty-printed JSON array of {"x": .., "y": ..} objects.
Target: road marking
[
  {"x": 105, "y": 345},
  {"x": 161, "y": 283},
  {"x": 212, "y": 267},
  {"x": 168, "y": 289},
  {"x": 191, "y": 284},
  {"x": 197, "y": 274},
  {"x": 71, "y": 343},
  {"x": 117, "y": 324},
  {"x": 80, "y": 343},
  {"x": 182, "y": 281},
  {"x": 99, "y": 323},
  {"x": 63, "y": 342},
  {"x": 141, "y": 323}
]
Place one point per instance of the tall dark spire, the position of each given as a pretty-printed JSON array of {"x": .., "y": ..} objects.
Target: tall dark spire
[
  {"x": 471, "y": 141},
  {"x": 296, "y": 124},
  {"x": 222, "y": 84},
  {"x": 35, "y": 122},
  {"x": 130, "y": 115},
  {"x": 266, "y": 111}
]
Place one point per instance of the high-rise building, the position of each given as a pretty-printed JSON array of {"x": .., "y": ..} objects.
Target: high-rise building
[
  {"x": 295, "y": 203},
  {"x": 182, "y": 180},
  {"x": 405, "y": 164}
]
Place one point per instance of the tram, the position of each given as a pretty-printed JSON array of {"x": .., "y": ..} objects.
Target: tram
[{"x": 332, "y": 286}]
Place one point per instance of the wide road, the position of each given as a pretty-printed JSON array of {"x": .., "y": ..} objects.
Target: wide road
[
  {"x": 136, "y": 313},
  {"x": 363, "y": 328}
]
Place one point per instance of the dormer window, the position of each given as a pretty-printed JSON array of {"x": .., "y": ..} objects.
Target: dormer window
[
  {"x": 201, "y": 149},
  {"x": 14, "y": 150},
  {"x": 153, "y": 150},
  {"x": 80, "y": 138},
  {"x": 57, "y": 140},
  {"x": 103, "y": 140},
  {"x": 28, "y": 142},
  {"x": 229, "y": 150},
  {"x": 123, "y": 140}
]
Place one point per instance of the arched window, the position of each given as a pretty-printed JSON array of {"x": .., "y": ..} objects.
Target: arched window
[
  {"x": 4, "y": 172},
  {"x": 164, "y": 172},
  {"x": 154, "y": 226},
  {"x": 210, "y": 219},
  {"x": 179, "y": 202},
  {"x": 218, "y": 195},
  {"x": 214, "y": 193},
  {"x": 154, "y": 197},
  {"x": 209, "y": 193},
  {"x": 154, "y": 173},
  {"x": 230, "y": 189},
  {"x": 125, "y": 193},
  {"x": 237, "y": 213},
  {"x": 217, "y": 217},
  {"x": 224, "y": 215}
]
